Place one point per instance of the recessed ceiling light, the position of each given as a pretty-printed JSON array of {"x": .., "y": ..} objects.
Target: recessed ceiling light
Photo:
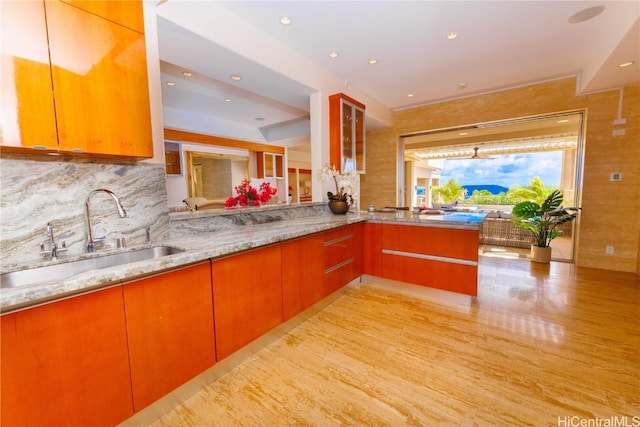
[
  {"x": 462, "y": 85},
  {"x": 285, "y": 20},
  {"x": 373, "y": 61},
  {"x": 186, "y": 74},
  {"x": 235, "y": 77},
  {"x": 563, "y": 121},
  {"x": 333, "y": 55},
  {"x": 227, "y": 100},
  {"x": 626, "y": 64},
  {"x": 586, "y": 14},
  {"x": 259, "y": 119},
  {"x": 452, "y": 36},
  {"x": 171, "y": 84},
  {"x": 463, "y": 133},
  {"x": 409, "y": 95}
]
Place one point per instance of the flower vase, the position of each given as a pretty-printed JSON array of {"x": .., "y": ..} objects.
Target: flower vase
[{"x": 338, "y": 207}]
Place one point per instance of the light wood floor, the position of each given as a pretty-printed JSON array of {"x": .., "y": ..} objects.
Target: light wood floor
[{"x": 538, "y": 346}]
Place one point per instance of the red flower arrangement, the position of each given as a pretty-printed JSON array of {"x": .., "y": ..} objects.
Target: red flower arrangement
[{"x": 250, "y": 196}]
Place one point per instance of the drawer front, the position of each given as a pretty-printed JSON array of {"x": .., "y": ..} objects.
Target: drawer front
[
  {"x": 441, "y": 242},
  {"x": 339, "y": 247}
]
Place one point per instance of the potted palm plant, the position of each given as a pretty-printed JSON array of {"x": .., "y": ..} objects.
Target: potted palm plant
[{"x": 542, "y": 221}]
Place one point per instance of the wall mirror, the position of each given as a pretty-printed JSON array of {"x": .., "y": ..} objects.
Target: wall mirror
[{"x": 213, "y": 176}]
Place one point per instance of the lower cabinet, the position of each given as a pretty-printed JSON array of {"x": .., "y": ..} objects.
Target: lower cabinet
[
  {"x": 372, "y": 249},
  {"x": 98, "y": 358},
  {"x": 170, "y": 330},
  {"x": 318, "y": 265},
  {"x": 247, "y": 297},
  {"x": 342, "y": 257},
  {"x": 302, "y": 274},
  {"x": 443, "y": 258},
  {"x": 66, "y": 363}
]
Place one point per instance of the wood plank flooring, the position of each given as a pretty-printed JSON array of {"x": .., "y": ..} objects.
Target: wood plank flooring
[{"x": 540, "y": 345}]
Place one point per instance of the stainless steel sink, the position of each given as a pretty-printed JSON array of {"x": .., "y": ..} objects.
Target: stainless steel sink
[{"x": 71, "y": 268}]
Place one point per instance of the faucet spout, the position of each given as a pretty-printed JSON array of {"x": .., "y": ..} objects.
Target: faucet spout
[{"x": 91, "y": 241}]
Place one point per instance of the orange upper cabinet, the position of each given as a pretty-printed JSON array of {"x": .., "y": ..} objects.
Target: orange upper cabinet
[
  {"x": 100, "y": 84},
  {"x": 27, "y": 113},
  {"x": 97, "y": 81},
  {"x": 346, "y": 133},
  {"x": 127, "y": 13},
  {"x": 270, "y": 165}
]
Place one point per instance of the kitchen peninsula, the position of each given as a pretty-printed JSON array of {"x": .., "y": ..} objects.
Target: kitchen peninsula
[{"x": 147, "y": 327}]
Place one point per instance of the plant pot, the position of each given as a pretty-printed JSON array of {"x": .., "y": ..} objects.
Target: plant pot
[
  {"x": 338, "y": 207},
  {"x": 541, "y": 255}
]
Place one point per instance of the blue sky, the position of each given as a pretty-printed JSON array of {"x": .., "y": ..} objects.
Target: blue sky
[{"x": 506, "y": 170}]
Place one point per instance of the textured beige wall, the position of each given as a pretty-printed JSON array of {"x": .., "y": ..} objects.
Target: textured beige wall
[{"x": 611, "y": 210}]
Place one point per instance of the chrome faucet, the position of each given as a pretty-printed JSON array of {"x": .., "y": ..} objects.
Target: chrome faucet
[
  {"x": 50, "y": 248},
  {"x": 92, "y": 241}
]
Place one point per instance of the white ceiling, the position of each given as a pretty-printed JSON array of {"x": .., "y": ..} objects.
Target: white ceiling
[{"x": 500, "y": 44}]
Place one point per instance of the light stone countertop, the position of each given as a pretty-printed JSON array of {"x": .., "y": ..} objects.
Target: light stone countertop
[{"x": 201, "y": 246}]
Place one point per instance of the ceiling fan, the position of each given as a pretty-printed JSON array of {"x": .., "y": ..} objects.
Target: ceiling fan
[{"x": 477, "y": 156}]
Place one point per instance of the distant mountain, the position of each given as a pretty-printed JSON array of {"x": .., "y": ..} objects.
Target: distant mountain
[{"x": 493, "y": 189}]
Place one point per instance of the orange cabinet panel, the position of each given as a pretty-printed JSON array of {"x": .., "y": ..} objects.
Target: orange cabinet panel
[
  {"x": 170, "y": 330},
  {"x": 100, "y": 84},
  {"x": 443, "y": 258},
  {"x": 247, "y": 297},
  {"x": 358, "y": 251},
  {"x": 27, "y": 114},
  {"x": 458, "y": 278},
  {"x": 339, "y": 246},
  {"x": 302, "y": 274},
  {"x": 444, "y": 242},
  {"x": 127, "y": 13},
  {"x": 372, "y": 249},
  {"x": 343, "y": 257},
  {"x": 66, "y": 363}
]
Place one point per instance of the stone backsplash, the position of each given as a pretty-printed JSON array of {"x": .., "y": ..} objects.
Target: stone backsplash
[{"x": 34, "y": 192}]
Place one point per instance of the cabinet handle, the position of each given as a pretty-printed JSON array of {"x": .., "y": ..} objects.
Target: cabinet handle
[{"x": 338, "y": 239}]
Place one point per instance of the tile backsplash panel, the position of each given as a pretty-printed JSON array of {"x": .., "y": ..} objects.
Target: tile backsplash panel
[{"x": 35, "y": 192}]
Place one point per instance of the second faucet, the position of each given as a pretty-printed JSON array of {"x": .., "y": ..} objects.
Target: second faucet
[{"x": 92, "y": 241}]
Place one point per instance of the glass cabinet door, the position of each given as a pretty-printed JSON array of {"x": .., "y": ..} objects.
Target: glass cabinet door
[
  {"x": 352, "y": 138},
  {"x": 358, "y": 144},
  {"x": 347, "y": 137}
]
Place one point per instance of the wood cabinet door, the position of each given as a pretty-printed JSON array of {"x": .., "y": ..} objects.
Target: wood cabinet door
[
  {"x": 247, "y": 297},
  {"x": 170, "y": 331},
  {"x": 302, "y": 274},
  {"x": 66, "y": 363},
  {"x": 27, "y": 113},
  {"x": 372, "y": 249},
  {"x": 100, "y": 84},
  {"x": 124, "y": 12}
]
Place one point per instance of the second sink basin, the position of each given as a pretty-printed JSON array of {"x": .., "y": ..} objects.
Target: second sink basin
[{"x": 71, "y": 268}]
